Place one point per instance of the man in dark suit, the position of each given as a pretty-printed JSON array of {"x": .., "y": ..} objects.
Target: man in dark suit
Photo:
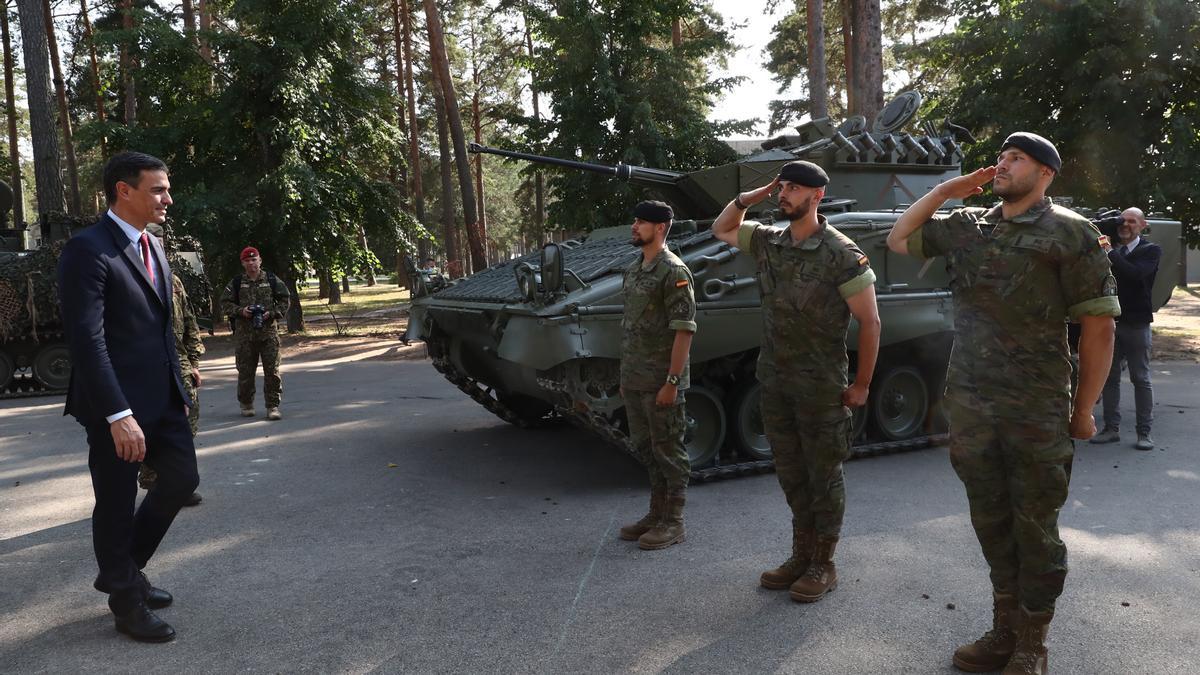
[
  {"x": 1135, "y": 265},
  {"x": 114, "y": 287}
]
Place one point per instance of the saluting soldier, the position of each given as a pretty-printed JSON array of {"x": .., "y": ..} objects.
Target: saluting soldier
[
  {"x": 1018, "y": 272},
  {"x": 657, "y": 329},
  {"x": 812, "y": 279}
]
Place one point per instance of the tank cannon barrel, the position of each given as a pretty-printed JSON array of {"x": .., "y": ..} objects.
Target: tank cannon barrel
[{"x": 639, "y": 175}]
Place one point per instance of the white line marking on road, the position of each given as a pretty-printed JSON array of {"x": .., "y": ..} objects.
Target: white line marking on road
[{"x": 562, "y": 636}]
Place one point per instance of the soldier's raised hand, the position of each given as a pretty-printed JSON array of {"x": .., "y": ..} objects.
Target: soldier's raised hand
[
  {"x": 757, "y": 195},
  {"x": 966, "y": 186}
]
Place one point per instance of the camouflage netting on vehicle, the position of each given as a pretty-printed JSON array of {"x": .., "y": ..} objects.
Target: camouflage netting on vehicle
[
  {"x": 29, "y": 293},
  {"x": 589, "y": 260}
]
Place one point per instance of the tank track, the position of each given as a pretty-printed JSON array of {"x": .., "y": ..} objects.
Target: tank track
[{"x": 610, "y": 432}]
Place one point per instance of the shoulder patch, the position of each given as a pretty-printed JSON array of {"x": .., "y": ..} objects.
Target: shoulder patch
[
  {"x": 681, "y": 283},
  {"x": 862, "y": 260},
  {"x": 1103, "y": 241}
]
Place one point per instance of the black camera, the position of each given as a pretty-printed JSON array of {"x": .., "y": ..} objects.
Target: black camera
[
  {"x": 1108, "y": 222},
  {"x": 256, "y": 315}
]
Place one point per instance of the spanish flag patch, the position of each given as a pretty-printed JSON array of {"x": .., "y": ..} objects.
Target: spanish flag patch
[
  {"x": 1103, "y": 241},
  {"x": 862, "y": 260},
  {"x": 681, "y": 283}
]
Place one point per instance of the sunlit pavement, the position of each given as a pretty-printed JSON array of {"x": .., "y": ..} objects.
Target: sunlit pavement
[{"x": 389, "y": 524}]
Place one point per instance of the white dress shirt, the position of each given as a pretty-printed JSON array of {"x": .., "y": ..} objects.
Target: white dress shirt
[{"x": 1133, "y": 244}]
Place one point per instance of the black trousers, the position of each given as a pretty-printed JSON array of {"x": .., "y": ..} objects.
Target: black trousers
[{"x": 125, "y": 539}]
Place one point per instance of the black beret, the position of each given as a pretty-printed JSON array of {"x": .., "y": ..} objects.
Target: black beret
[
  {"x": 653, "y": 212},
  {"x": 1036, "y": 147},
  {"x": 804, "y": 173}
]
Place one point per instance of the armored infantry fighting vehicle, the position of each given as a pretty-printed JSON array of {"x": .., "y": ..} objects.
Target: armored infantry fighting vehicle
[
  {"x": 539, "y": 337},
  {"x": 34, "y": 359}
]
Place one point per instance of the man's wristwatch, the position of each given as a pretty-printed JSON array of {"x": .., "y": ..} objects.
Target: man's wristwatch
[
  {"x": 737, "y": 201},
  {"x": 673, "y": 380}
]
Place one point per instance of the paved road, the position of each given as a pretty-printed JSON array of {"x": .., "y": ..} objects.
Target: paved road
[{"x": 388, "y": 524}]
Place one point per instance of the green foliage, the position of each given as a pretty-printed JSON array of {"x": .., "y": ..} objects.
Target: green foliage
[
  {"x": 1114, "y": 83},
  {"x": 620, "y": 92}
]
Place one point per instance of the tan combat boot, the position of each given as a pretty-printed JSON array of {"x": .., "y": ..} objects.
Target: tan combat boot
[
  {"x": 669, "y": 529},
  {"x": 658, "y": 499},
  {"x": 786, "y": 574},
  {"x": 274, "y": 414},
  {"x": 821, "y": 575},
  {"x": 1029, "y": 657},
  {"x": 993, "y": 650},
  {"x": 248, "y": 410}
]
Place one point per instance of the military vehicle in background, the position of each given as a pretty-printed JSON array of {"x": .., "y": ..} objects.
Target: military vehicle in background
[
  {"x": 539, "y": 337},
  {"x": 34, "y": 359}
]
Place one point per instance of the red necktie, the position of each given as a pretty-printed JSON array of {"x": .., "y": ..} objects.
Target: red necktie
[{"x": 146, "y": 259}]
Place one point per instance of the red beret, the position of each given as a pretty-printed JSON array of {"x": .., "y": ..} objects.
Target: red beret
[{"x": 249, "y": 251}]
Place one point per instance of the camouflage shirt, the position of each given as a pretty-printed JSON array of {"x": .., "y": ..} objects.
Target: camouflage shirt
[
  {"x": 658, "y": 302},
  {"x": 804, "y": 287},
  {"x": 256, "y": 292},
  {"x": 187, "y": 333},
  {"x": 1016, "y": 282}
]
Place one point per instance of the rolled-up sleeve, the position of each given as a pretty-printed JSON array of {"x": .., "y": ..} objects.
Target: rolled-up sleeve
[{"x": 680, "y": 300}]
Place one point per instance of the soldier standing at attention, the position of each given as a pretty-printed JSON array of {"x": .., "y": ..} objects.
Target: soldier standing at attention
[
  {"x": 659, "y": 321},
  {"x": 190, "y": 348},
  {"x": 812, "y": 279},
  {"x": 257, "y": 292},
  {"x": 1018, "y": 272}
]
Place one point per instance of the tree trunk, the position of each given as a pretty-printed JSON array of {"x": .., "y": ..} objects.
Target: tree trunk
[
  {"x": 414, "y": 152},
  {"x": 437, "y": 52},
  {"x": 676, "y": 33},
  {"x": 205, "y": 26},
  {"x": 189, "y": 17},
  {"x": 454, "y": 266},
  {"x": 368, "y": 273},
  {"x": 335, "y": 289},
  {"x": 74, "y": 206},
  {"x": 345, "y": 283},
  {"x": 295, "y": 314},
  {"x": 322, "y": 284},
  {"x": 539, "y": 194},
  {"x": 848, "y": 50},
  {"x": 818, "y": 88},
  {"x": 868, "y": 58},
  {"x": 90, "y": 38},
  {"x": 14, "y": 155},
  {"x": 128, "y": 65},
  {"x": 477, "y": 127},
  {"x": 41, "y": 115}
]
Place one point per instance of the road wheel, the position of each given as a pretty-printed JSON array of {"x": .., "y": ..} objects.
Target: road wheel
[
  {"x": 52, "y": 366},
  {"x": 899, "y": 403},
  {"x": 748, "y": 431},
  {"x": 858, "y": 422},
  {"x": 704, "y": 419},
  {"x": 7, "y": 369}
]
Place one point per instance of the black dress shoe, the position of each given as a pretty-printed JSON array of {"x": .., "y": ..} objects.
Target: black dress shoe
[
  {"x": 142, "y": 625},
  {"x": 156, "y": 598},
  {"x": 194, "y": 499}
]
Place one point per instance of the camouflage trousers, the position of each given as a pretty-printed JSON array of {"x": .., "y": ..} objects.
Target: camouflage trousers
[
  {"x": 1016, "y": 474},
  {"x": 251, "y": 348},
  {"x": 808, "y": 456},
  {"x": 656, "y": 435}
]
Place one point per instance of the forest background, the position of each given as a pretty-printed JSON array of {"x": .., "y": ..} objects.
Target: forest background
[{"x": 332, "y": 134}]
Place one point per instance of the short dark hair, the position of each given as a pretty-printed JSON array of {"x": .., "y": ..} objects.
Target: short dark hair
[{"x": 127, "y": 167}]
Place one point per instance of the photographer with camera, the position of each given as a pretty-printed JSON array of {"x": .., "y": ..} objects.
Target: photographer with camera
[
  {"x": 1135, "y": 265},
  {"x": 254, "y": 302}
]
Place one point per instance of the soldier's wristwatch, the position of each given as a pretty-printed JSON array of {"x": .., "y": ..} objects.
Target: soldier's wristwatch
[{"x": 673, "y": 380}]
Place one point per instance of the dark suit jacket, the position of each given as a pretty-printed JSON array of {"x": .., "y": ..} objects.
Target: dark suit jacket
[
  {"x": 118, "y": 328},
  {"x": 1135, "y": 273}
]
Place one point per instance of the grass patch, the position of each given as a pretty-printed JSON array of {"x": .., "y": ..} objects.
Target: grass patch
[{"x": 361, "y": 300}]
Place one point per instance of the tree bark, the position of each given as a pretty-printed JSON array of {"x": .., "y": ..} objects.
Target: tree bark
[
  {"x": 441, "y": 63},
  {"x": 477, "y": 127},
  {"x": 368, "y": 273},
  {"x": 94, "y": 62},
  {"x": 868, "y": 58},
  {"x": 295, "y": 314},
  {"x": 539, "y": 193},
  {"x": 41, "y": 115},
  {"x": 848, "y": 50},
  {"x": 454, "y": 266},
  {"x": 74, "y": 206},
  {"x": 322, "y": 284},
  {"x": 14, "y": 155},
  {"x": 414, "y": 152},
  {"x": 128, "y": 65},
  {"x": 345, "y": 283},
  {"x": 676, "y": 33},
  {"x": 189, "y": 17},
  {"x": 205, "y": 26},
  {"x": 335, "y": 289},
  {"x": 818, "y": 87}
]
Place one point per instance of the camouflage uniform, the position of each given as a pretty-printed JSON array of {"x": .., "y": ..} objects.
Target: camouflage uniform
[
  {"x": 1016, "y": 282},
  {"x": 658, "y": 302},
  {"x": 802, "y": 363},
  {"x": 250, "y": 344}
]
